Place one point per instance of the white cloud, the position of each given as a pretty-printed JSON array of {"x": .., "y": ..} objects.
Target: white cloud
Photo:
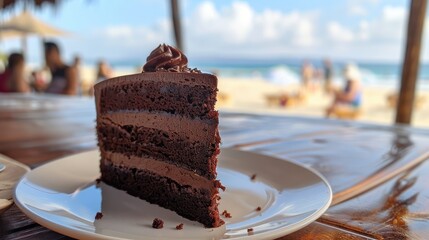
[
  {"x": 237, "y": 21},
  {"x": 206, "y": 11},
  {"x": 363, "y": 31},
  {"x": 124, "y": 41},
  {"x": 302, "y": 28},
  {"x": 391, "y": 13},
  {"x": 119, "y": 31},
  {"x": 339, "y": 33},
  {"x": 358, "y": 10},
  {"x": 233, "y": 24},
  {"x": 388, "y": 28},
  {"x": 360, "y": 7},
  {"x": 238, "y": 30}
]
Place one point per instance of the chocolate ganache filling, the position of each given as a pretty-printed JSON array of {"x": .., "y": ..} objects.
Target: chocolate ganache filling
[{"x": 166, "y": 58}]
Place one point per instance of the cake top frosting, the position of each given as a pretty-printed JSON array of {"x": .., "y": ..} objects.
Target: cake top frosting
[{"x": 166, "y": 58}]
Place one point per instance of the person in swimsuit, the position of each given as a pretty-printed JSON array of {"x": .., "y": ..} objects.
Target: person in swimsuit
[
  {"x": 64, "y": 77},
  {"x": 328, "y": 74},
  {"x": 13, "y": 78},
  {"x": 77, "y": 62},
  {"x": 307, "y": 74},
  {"x": 351, "y": 96}
]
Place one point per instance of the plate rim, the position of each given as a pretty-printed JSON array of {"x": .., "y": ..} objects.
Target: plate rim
[
  {"x": 9, "y": 160},
  {"x": 15, "y": 162},
  {"x": 279, "y": 232}
]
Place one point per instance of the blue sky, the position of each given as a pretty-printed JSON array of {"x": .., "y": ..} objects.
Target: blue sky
[{"x": 347, "y": 30}]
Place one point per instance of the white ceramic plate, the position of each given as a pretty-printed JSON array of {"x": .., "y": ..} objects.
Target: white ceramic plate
[
  {"x": 62, "y": 196},
  {"x": 10, "y": 173}
]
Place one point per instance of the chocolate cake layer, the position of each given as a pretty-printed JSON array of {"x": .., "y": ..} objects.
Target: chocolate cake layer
[
  {"x": 163, "y": 169},
  {"x": 193, "y": 204},
  {"x": 130, "y": 140},
  {"x": 192, "y": 129},
  {"x": 187, "y": 94},
  {"x": 158, "y": 135}
]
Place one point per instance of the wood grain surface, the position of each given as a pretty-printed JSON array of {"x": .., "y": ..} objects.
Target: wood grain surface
[{"x": 377, "y": 172}]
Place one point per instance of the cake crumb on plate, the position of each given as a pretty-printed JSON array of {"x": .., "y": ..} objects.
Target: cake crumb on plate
[
  {"x": 179, "y": 227},
  {"x": 158, "y": 223},
  {"x": 98, "y": 216},
  {"x": 226, "y": 214}
]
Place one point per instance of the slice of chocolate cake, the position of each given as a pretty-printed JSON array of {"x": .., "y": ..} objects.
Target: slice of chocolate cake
[{"x": 158, "y": 135}]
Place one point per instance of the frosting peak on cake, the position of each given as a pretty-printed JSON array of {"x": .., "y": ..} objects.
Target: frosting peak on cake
[{"x": 166, "y": 58}]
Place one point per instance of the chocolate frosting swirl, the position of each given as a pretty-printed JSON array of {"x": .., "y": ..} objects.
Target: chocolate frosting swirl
[{"x": 166, "y": 58}]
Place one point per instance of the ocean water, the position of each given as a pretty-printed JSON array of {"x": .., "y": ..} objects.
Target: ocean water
[{"x": 283, "y": 72}]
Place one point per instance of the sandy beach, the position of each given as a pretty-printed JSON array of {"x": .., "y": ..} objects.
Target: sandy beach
[{"x": 249, "y": 95}]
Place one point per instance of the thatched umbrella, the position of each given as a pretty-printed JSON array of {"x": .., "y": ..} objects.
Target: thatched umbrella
[
  {"x": 175, "y": 13},
  {"x": 24, "y": 25},
  {"x": 9, "y": 4}
]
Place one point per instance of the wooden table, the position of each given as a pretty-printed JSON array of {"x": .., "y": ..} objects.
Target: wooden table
[{"x": 378, "y": 174}]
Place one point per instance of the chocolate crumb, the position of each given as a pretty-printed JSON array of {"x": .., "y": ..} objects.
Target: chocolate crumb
[
  {"x": 258, "y": 209},
  {"x": 226, "y": 214},
  {"x": 179, "y": 227},
  {"x": 219, "y": 185},
  {"x": 253, "y": 177},
  {"x": 98, "y": 216},
  {"x": 158, "y": 223},
  {"x": 250, "y": 230}
]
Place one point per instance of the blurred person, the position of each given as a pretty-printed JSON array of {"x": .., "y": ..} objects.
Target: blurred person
[
  {"x": 39, "y": 79},
  {"x": 3, "y": 60},
  {"x": 13, "y": 77},
  {"x": 64, "y": 79},
  {"x": 103, "y": 71},
  {"x": 307, "y": 74},
  {"x": 350, "y": 98},
  {"x": 77, "y": 66},
  {"x": 76, "y": 61},
  {"x": 328, "y": 74}
]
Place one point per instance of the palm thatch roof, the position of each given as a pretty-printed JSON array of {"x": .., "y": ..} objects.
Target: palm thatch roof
[
  {"x": 25, "y": 24},
  {"x": 9, "y": 4}
]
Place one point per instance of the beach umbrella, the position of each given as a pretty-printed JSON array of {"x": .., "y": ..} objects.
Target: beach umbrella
[
  {"x": 410, "y": 67},
  {"x": 11, "y": 31},
  {"x": 24, "y": 25},
  {"x": 9, "y": 4}
]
